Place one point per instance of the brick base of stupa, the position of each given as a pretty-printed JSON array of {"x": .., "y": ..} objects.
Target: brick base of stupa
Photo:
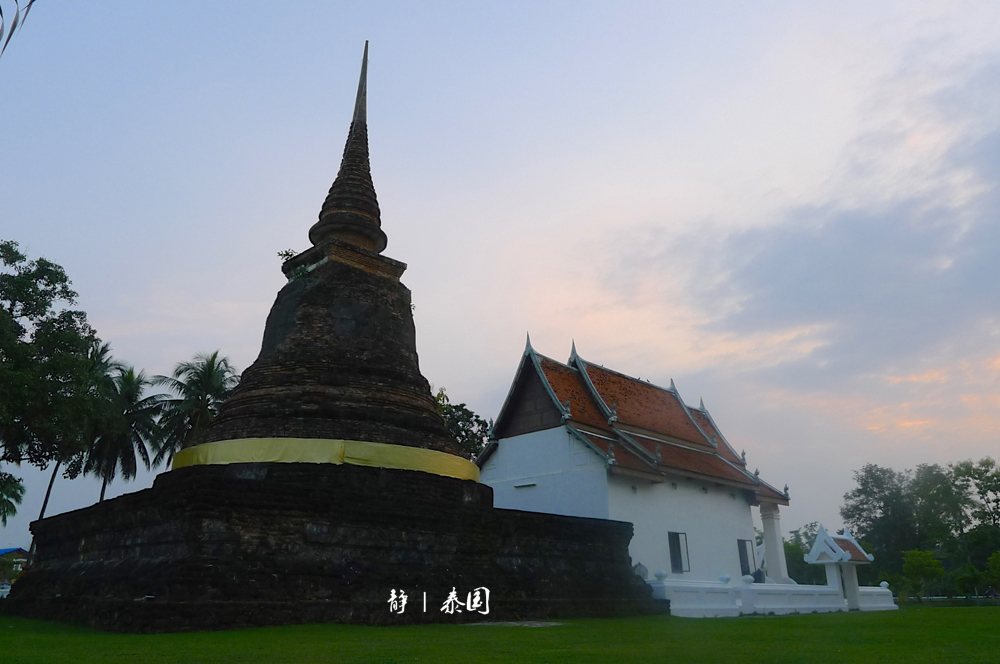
[{"x": 214, "y": 547}]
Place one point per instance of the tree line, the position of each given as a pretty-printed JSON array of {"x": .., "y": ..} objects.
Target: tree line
[
  {"x": 933, "y": 530},
  {"x": 66, "y": 403}
]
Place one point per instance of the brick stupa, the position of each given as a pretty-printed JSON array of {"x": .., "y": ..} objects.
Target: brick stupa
[
  {"x": 327, "y": 484},
  {"x": 339, "y": 356}
]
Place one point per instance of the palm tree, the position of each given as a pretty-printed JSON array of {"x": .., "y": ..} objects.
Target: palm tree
[
  {"x": 11, "y": 495},
  {"x": 101, "y": 369},
  {"x": 201, "y": 386},
  {"x": 20, "y": 15},
  {"x": 133, "y": 429}
]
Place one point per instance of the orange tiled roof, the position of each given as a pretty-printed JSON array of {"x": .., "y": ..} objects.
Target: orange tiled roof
[
  {"x": 565, "y": 382},
  {"x": 644, "y": 405},
  {"x": 706, "y": 425},
  {"x": 767, "y": 491},
  {"x": 857, "y": 555},
  {"x": 693, "y": 461},
  {"x": 624, "y": 458}
]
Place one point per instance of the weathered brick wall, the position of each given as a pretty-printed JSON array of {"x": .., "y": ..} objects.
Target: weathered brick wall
[
  {"x": 338, "y": 360},
  {"x": 217, "y": 546}
]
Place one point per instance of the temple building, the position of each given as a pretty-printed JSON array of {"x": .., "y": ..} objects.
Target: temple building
[
  {"x": 327, "y": 488},
  {"x": 582, "y": 440}
]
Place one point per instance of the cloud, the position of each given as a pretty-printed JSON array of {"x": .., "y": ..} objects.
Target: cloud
[
  {"x": 930, "y": 376},
  {"x": 874, "y": 307}
]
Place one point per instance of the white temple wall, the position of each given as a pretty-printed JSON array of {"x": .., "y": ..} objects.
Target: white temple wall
[
  {"x": 547, "y": 471},
  {"x": 713, "y": 518}
]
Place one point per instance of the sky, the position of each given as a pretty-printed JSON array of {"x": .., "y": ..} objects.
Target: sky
[{"x": 790, "y": 208}]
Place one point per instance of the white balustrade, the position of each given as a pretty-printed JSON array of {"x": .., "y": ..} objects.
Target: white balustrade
[
  {"x": 709, "y": 599},
  {"x": 876, "y": 599}
]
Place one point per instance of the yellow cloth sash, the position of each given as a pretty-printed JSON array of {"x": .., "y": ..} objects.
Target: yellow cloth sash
[{"x": 324, "y": 450}]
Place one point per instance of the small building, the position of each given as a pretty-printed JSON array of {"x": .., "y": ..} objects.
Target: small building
[
  {"x": 17, "y": 556},
  {"x": 840, "y": 555},
  {"x": 12, "y": 563},
  {"x": 582, "y": 440}
]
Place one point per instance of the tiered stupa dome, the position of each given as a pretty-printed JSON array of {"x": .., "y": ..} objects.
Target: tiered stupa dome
[{"x": 339, "y": 359}]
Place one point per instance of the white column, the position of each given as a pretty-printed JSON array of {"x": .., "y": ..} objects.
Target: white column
[
  {"x": 850, "y": 573},
  {"x": 833, "y": 577},
  {"x": 747, "y": 596},
  {"x": 774, "y": 549}
]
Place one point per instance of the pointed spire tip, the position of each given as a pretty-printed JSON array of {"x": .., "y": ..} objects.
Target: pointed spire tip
[
  {"x": 350, "y": 212},
  {"x": 361, "y": 103}
]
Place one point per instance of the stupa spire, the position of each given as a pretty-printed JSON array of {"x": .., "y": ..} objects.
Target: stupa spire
[
  {"x": 350, "y": 212},
  {"x": 361, "y": 102}
]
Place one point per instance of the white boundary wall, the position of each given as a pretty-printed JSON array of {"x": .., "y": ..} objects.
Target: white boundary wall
[
  {"x": 876, "y": 599},
  {"x": 696, "y": 599}
]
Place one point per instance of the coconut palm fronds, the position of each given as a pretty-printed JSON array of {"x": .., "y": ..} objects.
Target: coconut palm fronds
[{"x": 20, "y": 16}]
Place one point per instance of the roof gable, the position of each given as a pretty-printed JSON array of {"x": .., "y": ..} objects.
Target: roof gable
[
  {"x": 530, "y": 404},
  {"x": 549, "y": 389},
  {"x": 836, "y": 549}
]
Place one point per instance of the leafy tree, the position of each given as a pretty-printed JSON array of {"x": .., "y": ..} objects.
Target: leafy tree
[
  {"x": 993, "y": 570},
  {"x": 981, "y": 542},
  {"x": 921, "y": 567},
  {"x": 798, "y": 544},
  {"x": 952, "y": 511},
  {"x": 46, "y": 400},
  {"x": 804, "y": 536},
  {"x": 799, "y": 570},
  {"x": 200, "y": 387},
  {"x": 969, "y": 580},
  {"x": 879, "y": 510},
  {"x": 983, "y": 478},
  {"x": 11, "y": 495},
  {"x": 132, "y": 428},
  {"x": 941, "y": 506},
  {"x": 471, "y": 432}
]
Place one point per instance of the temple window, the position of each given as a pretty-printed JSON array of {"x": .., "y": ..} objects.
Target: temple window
[
  {"x": 747, "y": 562},
  {"x": 679, "y": 561}
]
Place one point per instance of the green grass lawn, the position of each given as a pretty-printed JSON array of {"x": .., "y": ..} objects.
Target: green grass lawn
[{"x": 919, "y": 634}]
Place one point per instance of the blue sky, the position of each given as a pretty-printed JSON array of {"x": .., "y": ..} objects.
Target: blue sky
[{"x": 790, "y": 208}]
